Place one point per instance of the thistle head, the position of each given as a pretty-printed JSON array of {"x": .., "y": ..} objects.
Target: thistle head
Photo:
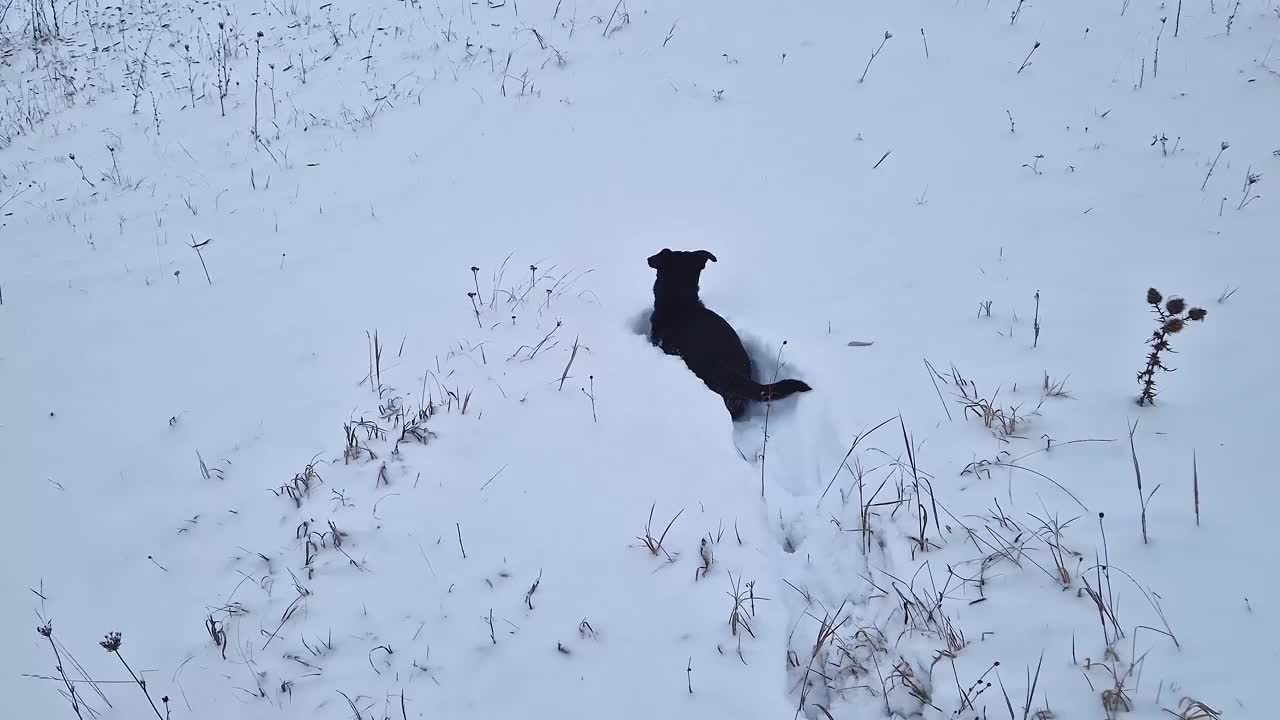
[{"x": 112, "y": 642}]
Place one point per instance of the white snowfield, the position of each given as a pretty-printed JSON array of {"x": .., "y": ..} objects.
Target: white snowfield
[{"x": 323, "y": 377}]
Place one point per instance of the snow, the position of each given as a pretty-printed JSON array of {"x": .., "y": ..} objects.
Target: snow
[{"x": 176, "y": 447}]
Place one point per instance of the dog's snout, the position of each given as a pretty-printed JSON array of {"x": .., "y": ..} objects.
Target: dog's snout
[{"x": 656, "y": 259}]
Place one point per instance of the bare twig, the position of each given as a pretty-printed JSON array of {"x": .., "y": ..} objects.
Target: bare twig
[
  {"x": 612, "y": 15},
  {"x": 867, "y": 69},
  {"x": 564, "y": 375},
  {"x": 1222, "y": 147},
  {"x": 197, "y": 247},
  {"x": 1026, "y": 62},
  {"x": 1195, "y": 485}
]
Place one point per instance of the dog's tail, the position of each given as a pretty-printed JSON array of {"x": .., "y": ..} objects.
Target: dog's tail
[
  {"x": 781, "y": 389},
  {"x": 764, "y": 392}
]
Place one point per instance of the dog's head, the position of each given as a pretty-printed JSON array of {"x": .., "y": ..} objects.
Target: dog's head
[
  {"x": 682, "y": 261},
  {"x": 678, "y": 274}
]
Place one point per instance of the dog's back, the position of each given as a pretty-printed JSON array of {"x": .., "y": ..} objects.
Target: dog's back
[{"x": 707, "y": 342}]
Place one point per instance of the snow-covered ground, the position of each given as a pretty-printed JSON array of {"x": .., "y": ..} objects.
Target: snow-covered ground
[{"x": 323, "y": 382}]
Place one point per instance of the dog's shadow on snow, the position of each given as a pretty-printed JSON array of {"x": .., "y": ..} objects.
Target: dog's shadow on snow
[{"x": 764, "y": 368}]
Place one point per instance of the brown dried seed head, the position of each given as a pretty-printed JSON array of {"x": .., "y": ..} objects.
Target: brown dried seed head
[
  {"x": 1173, "y": 325},
  {"x": 1175, "y": 306},
  {"x": 1153, "y": 296},
  {"x": 112, "y": 642},
  {"x": 1197, "y": 314}
]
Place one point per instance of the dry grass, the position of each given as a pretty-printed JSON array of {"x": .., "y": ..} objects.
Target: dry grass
[
  {"x": 652, "y": 544},
  {"x": 1191, "y": 709},
  {"x": 1005, "y": 421}
]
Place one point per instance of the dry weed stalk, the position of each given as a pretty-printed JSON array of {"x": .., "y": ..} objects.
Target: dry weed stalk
[
  {"x": 112, "y": 644},
  {"x": 46, "y": 630}
]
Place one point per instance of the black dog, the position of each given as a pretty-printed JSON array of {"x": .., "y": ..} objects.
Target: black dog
[{"x": 682, "y": 325}]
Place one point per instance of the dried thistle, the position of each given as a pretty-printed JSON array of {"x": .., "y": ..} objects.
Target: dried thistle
[
  {"x": 112, "y": 642},
  {"x": 1172, "y": 317}
]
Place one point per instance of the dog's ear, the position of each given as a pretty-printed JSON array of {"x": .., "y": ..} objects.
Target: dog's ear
[
  {"x": 659, "y": 259},
  {"x": 704, "y": 256}
]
